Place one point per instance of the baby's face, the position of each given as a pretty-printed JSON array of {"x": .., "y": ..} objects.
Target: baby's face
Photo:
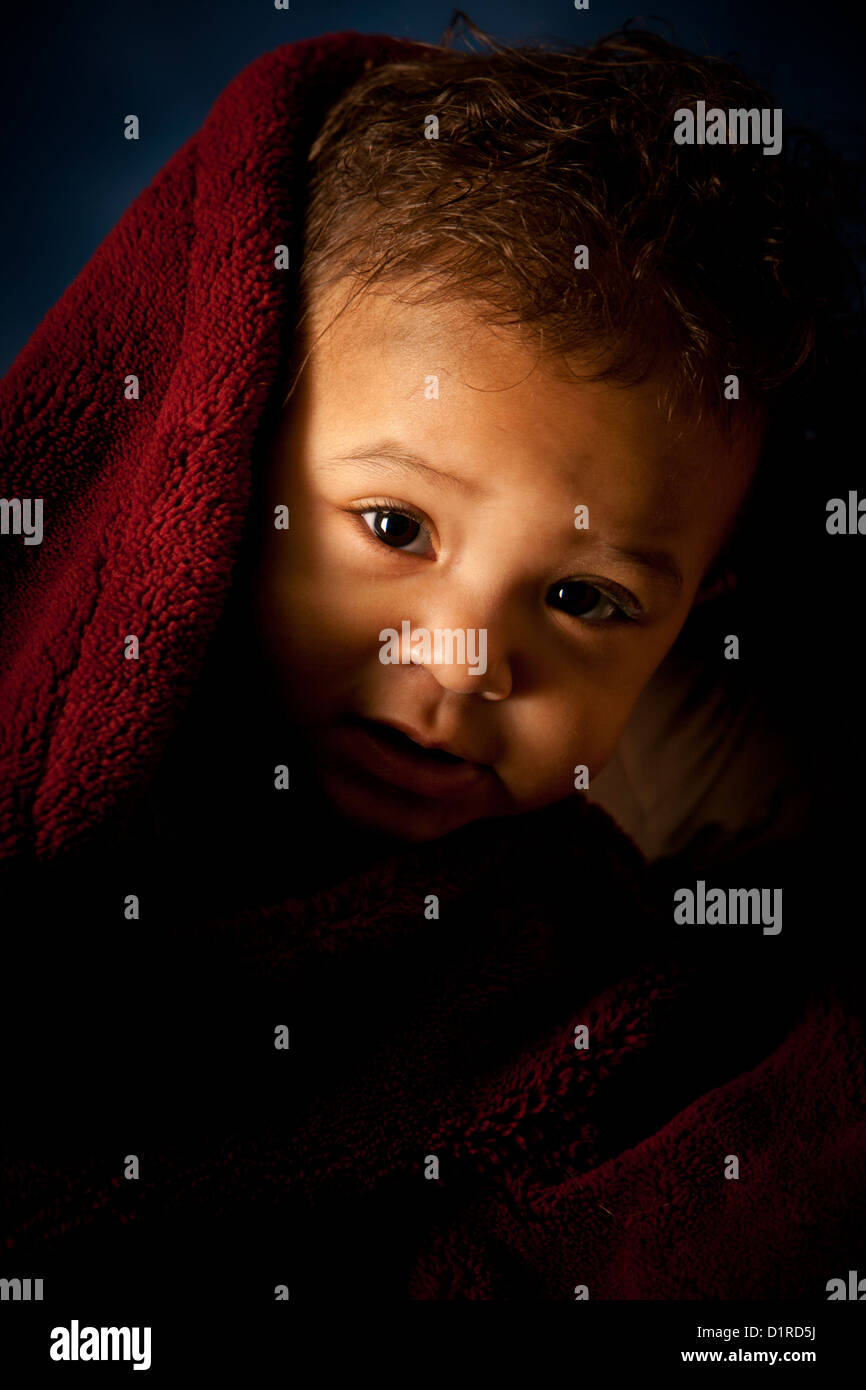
[{"x": 419, "y": 513}]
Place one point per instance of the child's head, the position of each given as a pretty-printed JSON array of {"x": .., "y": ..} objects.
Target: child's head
[{"x": 510, "y": 464}]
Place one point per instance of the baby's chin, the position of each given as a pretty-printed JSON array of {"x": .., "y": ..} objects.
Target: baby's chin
[{"x": 399, "y": 814}]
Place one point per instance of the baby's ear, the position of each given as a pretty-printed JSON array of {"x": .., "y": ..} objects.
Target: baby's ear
[{"x": 716, "y": 583}]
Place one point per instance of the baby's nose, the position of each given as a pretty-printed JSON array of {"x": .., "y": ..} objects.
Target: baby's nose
[{"x": 462, "y": 660}]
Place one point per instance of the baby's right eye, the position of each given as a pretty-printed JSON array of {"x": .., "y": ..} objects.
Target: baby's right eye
[{"x": 399, "y": 530}]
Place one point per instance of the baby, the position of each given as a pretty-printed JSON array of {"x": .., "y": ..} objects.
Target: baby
[
  {"x": 533, "y": 397},
  {"x": 566, "y": 520}
]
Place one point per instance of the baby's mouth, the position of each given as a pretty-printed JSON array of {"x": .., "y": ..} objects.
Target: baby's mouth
[
  {"x": 404, "y": 743},
  {"x": 388, "y": 755}
]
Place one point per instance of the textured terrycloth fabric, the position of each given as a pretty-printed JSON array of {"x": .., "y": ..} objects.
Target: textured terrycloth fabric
[
  {"x": 144, "y": 499},
  {"x": 411, "y": 1037}
]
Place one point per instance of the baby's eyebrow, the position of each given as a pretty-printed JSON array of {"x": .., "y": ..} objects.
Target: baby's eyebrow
[
  {"x": 661, "y": 562},
  {"x": 387, "y": 456}
]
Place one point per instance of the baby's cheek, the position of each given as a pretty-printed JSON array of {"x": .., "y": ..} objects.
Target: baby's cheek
[
  {"x": 561, "y": 748},
  {"x": 307, "y": 640}
]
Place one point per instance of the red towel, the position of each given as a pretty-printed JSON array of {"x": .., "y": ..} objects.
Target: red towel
[{"x": 411, "y": 1039}]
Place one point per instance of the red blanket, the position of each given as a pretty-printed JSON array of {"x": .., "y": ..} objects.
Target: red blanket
[{"x": 605, "y": 1167}]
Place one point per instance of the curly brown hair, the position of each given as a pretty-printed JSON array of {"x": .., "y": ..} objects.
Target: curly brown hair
[{"x": 705, "y": 259}]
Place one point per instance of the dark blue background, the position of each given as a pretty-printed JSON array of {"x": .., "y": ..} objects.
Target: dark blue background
[{"x": 70, "y": 73}]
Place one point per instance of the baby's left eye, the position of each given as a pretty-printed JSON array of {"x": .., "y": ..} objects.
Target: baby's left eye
[
  {"x": 397, "y": 530},
  {"x": 583, "y": 600}
]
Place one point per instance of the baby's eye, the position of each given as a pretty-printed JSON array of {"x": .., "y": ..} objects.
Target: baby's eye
[
  {"x": 398, "y": 530},
  {"x": 580, "y": 599}
]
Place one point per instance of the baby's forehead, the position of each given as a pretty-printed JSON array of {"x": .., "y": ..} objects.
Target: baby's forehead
[
  {"x": 391, "y": 329},
  {"x": 385, "y": 320},
  {"x": 498, "y": 397}
]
